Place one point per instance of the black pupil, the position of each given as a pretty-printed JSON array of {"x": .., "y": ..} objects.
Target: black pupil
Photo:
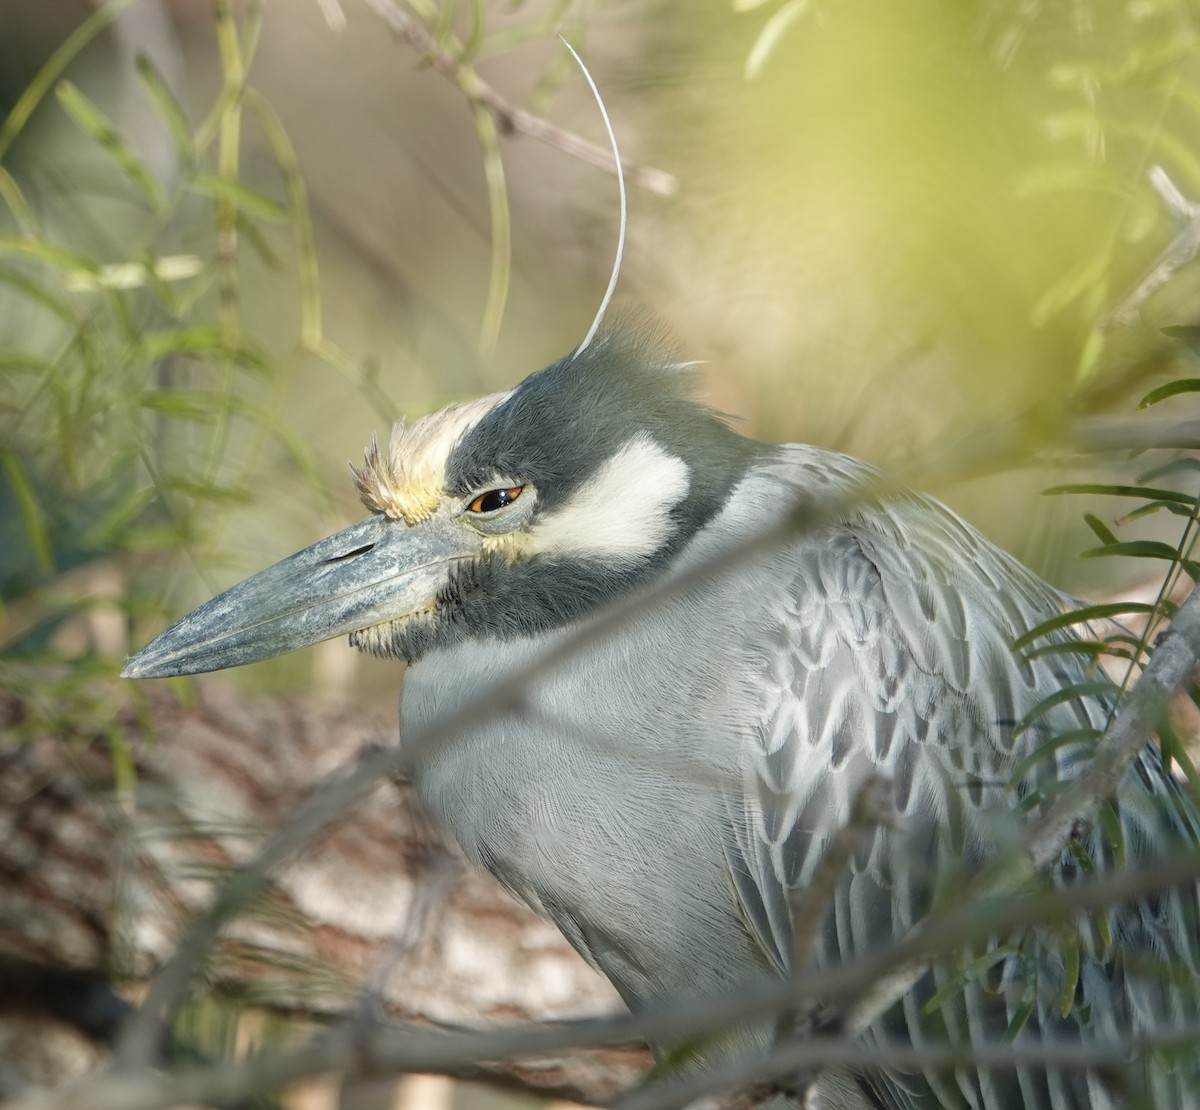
[{"x": 497, "y": 499}]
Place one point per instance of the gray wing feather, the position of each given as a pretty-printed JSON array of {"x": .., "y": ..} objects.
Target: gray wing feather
[{"x": 889, "y": 653}]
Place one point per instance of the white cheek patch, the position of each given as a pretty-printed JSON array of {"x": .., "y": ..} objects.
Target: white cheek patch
[{"x": 622, "y": 510}]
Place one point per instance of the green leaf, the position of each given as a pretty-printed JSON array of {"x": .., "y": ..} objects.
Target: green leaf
[
  {"x": 1189, "y": 466},
  {"x": 1103, "y": 533},
  {"x": 45, "y": 77},
  {"x": 31, "y": 510},
  {"x": 1044, "y": 751},
  {"x": 167, "y": 107},
  {"x": 1074, "y": 691},
  {"x": 39, "y": 249},
  {"x": 241, "y": 196},
  {"x": 1081, "y": 616},
  {"x": 1138, "y": 549},
  {"x": 205, "y": 342},
  {"x": 196, "y": 405},
  {"x": 38, "y": 293},
  {"x": 1110, "y": 490},
  {"x": 1152, "y": 507},
  {"x": 768, "y": 38},
  {"x": 1093, "y": 648},
  {"x": 1071, "y": 961},
  {"x": 95, "y": 124},
  {"x": 1171, "y": 389}
]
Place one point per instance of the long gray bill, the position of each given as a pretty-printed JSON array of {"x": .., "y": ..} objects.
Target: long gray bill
[{"x": 375, "y": 571}]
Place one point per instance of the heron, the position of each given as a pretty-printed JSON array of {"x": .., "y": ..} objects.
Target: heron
[{"x": 662, "y": 787}]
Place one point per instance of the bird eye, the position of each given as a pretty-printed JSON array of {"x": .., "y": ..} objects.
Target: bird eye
[{"x": 494, "y": 499}]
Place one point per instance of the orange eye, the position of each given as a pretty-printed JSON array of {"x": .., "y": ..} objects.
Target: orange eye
[{"x": 494, "y": 499}]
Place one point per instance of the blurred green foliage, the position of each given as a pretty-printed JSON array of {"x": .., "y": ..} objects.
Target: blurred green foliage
[{"x": 900, "y": 228}]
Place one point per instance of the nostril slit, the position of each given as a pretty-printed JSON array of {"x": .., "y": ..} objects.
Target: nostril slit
[{"x": 350, "y": 554}]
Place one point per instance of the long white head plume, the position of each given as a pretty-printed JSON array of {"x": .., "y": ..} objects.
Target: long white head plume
[{"x": 612, "y": 140}]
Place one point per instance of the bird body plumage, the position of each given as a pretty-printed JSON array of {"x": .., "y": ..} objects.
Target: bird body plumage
[{"x": 659, "y": 791}]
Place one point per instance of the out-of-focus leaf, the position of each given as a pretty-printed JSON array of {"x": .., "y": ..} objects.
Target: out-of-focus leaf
[
  {"x": 1044, "y": 751},
  {"x": 95, "y": 124},
  {"x": 768, "y": 38},
  {"x": 1101, "y": 530},
  {"x": 23, "y": 283},
  {"x": 1175, "y": 466},
  {"x": 1114, "y": 490},
  {"x": 1081, "y": 616},
  {"x": 31, "y": 510},
  {"x": 204, "y": 341},
  {"x": 241, "y": 196},
  {"x": 53, "y": 68},
  {"x": 167, "y": 107},
  {"x": 134, "y": 275},
  {"x": 1138, "y": 549},
  {"x": 1074, "y": 691},
  {"x": 37, "y": 248},
  {"x": 1171, "y": 389}
]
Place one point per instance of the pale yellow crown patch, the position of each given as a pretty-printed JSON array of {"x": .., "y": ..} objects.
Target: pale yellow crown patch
[{"x": 408, "y": 479}]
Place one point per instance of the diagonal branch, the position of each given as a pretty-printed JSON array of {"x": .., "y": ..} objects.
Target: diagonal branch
[
  {"x": 1179, "y": 252},
  {"x": 509, "y": 118}
]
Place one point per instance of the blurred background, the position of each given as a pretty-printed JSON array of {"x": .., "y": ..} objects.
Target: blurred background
[
  {"x": 241, "y": 237},
  {"x": 238, "y": 237}
]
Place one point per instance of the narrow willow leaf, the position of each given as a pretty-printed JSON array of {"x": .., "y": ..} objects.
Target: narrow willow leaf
[
  {"x": 22, "y": 283},
  {"x": 123, "y": 766},
  {"x": 1093, "y": 648},
  {"x": 168, "y": 108},
  {"x": 108, "y": 530},
  {"x": 241, "y": 196},
  {"x": 1081, "y": 616},
  {"x": 1070, "y": 950},
  {"x": 1074, "y": 691},
  {"x": 10, "y": 193},
  {"x": 1188, "y": 466},
  {"x": 57, "y": 258},
  {"x": 31, "y": 510},
  {"x": 300, "y": 216},
  {"x": 1123, "y": 491},
  {"x": 970, "y": 973},
  {"x": 1103, "y": 533},
  {"x": 97, "y": 126},
  {"x": 768, "y": 38},
  {"x": 204, "y": 341},
  {"x": 195, "y": 405},
  {"x": 1044, "y": 751},
  {"x": 1114, "y": 834},
  {"x": 1171, "y": 389},
  {"x": 1137, "y": 549},
  {"x": 1152, "y": 507},
  {"x": 45, "y": 77}
]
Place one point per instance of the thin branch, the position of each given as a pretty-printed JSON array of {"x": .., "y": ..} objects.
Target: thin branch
[
  {"x": 822, "y": 1053},
  {"x": 508, "y": 117},
  {"x": 807, "y": 905},
  {"x": 1179, "y": 252},
  {"x": 379, "y": 1048}
]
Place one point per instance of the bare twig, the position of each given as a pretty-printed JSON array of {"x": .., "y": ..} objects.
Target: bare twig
[
  {"x": 509, "y": 118},
  {"x": 822, "y": 1053},
  {"x": 380, "y": 1049},
  {"x": 1179, "y": 252},
  {"x": 807, "y": 905}
]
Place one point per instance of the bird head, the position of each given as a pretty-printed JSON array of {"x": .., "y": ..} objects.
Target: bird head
[{"x": 499, "y": 518}]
